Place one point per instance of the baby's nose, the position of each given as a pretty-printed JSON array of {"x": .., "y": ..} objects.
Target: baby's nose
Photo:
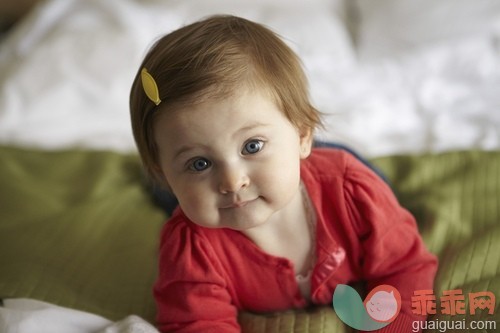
[{"x": 232, "y": 180}]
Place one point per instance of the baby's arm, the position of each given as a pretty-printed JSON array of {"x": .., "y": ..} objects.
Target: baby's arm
[
  {"x": 191, "y": 295},
  {"x": 393, "y": 250}
]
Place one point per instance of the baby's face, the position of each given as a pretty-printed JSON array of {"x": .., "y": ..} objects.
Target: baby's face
[{"x": 232, "y": 163}]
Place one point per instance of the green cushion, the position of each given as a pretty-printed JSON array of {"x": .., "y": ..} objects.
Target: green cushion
[
  {"x": 456, "y": 200},
  {"x": 79, "y": 229}
]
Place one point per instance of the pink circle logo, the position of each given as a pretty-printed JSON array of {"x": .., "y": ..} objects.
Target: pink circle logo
[{"x": 383, "y": 303}]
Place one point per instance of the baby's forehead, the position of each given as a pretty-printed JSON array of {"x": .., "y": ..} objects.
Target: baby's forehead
[
  {"x": 242, "y": 110},
  {"x": 237, "y": 97}
]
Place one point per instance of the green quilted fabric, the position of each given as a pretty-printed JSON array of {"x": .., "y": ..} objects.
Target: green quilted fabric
[
  {"x": 79, "y": 229},
  {"x": 319, "y": 319},
  {"x": 456, "y": 200}
]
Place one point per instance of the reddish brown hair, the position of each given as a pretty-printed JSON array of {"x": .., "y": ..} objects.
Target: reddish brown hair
[{"x": 211, "y": 59}]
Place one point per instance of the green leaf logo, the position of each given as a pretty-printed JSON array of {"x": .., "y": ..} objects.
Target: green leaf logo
[{"x": 380, "y": 308}]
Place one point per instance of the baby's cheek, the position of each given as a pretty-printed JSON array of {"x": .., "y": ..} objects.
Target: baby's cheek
[
  {"x": 197, "y": 213},
  {"x": 190, "y": 200},
  {"x": 284, "y": 173},
  {"x": 274, "y": 185}
]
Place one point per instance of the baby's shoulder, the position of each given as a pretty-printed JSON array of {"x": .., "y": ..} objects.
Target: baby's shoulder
[
  {"x": 180, "y": 231},
  {"x": 338, "y": 169},
  {"x": 181, "y": 240},
  {"x": 328, "y": 162},
  {"x": 178, "y": 227}
]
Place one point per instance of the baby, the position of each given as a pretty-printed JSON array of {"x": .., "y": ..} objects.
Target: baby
[{"x": 222, "y": 119}]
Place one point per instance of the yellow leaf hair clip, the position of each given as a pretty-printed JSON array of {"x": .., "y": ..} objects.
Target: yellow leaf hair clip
[{"x": 150, "y": 87}]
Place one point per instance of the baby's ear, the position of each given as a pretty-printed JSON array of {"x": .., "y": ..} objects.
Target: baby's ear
[{"x": 306, "y": 139}]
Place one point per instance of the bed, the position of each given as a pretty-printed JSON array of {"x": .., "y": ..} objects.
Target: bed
[{"x": 412, "y": 86}]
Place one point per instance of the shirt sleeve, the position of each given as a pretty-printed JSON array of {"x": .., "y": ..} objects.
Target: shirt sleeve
[
  {"x": 190, "y": 293},
  {"x": 392, "y": 248}
]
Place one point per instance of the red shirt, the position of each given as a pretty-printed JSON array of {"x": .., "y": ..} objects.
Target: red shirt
[{"x": 362, "y": 234}]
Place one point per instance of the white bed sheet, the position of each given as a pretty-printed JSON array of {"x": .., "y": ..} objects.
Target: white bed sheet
[
  {"x": 32, "y": 316},
  {"x": 392, "y": 77}
]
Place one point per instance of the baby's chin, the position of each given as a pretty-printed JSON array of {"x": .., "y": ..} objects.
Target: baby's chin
[
  {"x": 237, "y": 224},
  {"x": 242, "y": 224},
  {"x": 241, "y": 218}
]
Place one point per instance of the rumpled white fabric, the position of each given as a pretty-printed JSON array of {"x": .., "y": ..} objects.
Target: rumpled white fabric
[
  {"x": 32, "y": 316},
  {"x": 392, "y": 76}
]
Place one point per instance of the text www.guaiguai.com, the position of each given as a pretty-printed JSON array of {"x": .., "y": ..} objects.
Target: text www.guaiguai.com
[{"x": 451, "y": 325}]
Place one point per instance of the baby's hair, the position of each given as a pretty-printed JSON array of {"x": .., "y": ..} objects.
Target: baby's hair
[{"x": 212, "y": 59}]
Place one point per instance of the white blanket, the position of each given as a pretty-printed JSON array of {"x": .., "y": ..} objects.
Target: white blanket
[
  {"x": 31, "y": 316},
  {"x": 392, "y": 76}
]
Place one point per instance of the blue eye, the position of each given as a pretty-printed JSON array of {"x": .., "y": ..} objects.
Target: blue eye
[
  {"x": 253, "y": 147},
  {"x": 200, "y": 164}
]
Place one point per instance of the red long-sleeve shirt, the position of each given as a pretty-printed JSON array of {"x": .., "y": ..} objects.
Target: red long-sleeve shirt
[{"x": 362, "y": 234}]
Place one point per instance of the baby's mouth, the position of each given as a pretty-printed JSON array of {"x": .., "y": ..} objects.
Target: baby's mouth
[{"x": 238, "y": 204}]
